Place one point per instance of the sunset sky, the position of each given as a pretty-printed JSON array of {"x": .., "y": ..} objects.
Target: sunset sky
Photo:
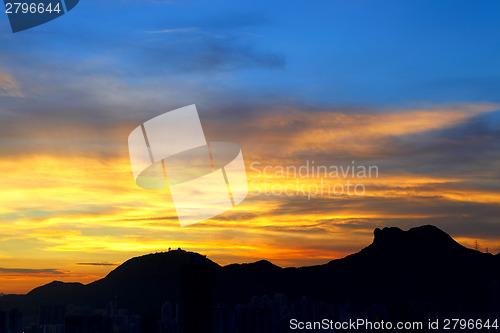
[{"x": 412, "y": 88}]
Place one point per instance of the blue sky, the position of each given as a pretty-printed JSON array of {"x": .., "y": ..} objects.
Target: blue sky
[{"x": 379, "y": 53}]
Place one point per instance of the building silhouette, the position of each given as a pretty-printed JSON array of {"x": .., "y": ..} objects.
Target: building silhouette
[{"x": 196, "y": 297}]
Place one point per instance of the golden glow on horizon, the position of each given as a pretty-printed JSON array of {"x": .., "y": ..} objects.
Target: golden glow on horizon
[{"x": 57, "y": 211}]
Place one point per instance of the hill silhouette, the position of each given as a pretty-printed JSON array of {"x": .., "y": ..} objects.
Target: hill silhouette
[{"x": 423, "y": 264}]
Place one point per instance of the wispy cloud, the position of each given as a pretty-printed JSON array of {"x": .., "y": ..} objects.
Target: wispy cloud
[
  {"x": 9, "y": 86},
  {"x": 302, "y": 134},
  {"x": 30, "y": 272},
  {"x": 96, "y": 264},
  {"x": 188, "y": 30},
  {"x": 173, "y": 31}
]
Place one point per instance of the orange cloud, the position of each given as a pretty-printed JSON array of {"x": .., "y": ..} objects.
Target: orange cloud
[{"x": 60, "y": 209}]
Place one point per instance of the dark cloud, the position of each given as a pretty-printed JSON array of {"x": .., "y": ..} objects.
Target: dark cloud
[
  {"x": 92, "y": 102},
  {"x": 28, "y": 271},
  {"x": 96, "y": 264},
  {"x": 468, "y": 149},
  {"x": 222, "y": 42},
  {"x": 205, "y": 53},
  {"x": 459, "y": 218}
]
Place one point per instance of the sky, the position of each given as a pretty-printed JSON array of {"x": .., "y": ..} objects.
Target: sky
[{"x": 411, "y": 87}]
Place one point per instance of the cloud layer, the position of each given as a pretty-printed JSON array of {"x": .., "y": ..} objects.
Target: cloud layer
[{"x": 420, "y": 102}]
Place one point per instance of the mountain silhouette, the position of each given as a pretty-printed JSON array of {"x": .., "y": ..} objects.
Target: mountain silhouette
[{"x": 423, "y": 264}]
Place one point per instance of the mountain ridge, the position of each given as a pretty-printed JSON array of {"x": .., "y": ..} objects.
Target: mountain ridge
[{"x": 423, "y": 263}]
